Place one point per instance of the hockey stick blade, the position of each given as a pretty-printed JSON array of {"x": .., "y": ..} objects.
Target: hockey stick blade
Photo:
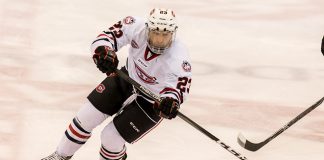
[
  {"x": 249, "y": 145},
  {"x": 256, "y": 146}
]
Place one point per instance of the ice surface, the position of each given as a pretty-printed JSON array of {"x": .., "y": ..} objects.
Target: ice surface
[{"x": 256, "y": 65}]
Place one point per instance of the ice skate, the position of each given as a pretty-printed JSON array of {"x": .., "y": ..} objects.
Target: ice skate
[{"x": 56, "y": 156}]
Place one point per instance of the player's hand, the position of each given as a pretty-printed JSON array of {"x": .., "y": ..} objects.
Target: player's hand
[
  {"x": 167, "y": 108},
  {"x": 105, "y": 59}
]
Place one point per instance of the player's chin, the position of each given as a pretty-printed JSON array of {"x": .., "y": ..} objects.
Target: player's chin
[{"x": 160, "y": 47}]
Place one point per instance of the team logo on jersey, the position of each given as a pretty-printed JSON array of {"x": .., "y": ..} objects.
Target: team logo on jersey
[
  {"x": 144, "y": 76},
  {"x": 129, "y": 20},
  {"x": 100, "y": 88},
  {"x": 134, "y": 44},
  {"x": 186, "y": 66}
]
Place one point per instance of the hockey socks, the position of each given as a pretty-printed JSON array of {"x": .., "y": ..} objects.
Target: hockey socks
[
  {"x": 75, "y": 136},
  {"x": 108, "y": 155},
  {"x": 76, "y": 133}
]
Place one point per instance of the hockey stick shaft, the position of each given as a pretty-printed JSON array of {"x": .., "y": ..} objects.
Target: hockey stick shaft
[
  {"x": 182, "y": 116},
  {"x": 293, "y": 121},
  {"x": 255, "y": 146},
  {"x": 297, "y": 118}
]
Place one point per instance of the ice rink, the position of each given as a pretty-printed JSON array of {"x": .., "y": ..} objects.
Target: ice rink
[{"x": 256, "y": 65}]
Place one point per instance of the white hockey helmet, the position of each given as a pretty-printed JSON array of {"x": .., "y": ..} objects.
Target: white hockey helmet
[{"x": 161, "y": 24}]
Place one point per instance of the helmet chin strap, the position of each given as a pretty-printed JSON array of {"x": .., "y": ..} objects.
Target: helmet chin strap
[{"x": 156, "y": 50}]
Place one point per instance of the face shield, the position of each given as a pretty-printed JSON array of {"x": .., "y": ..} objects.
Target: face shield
[{"x": 159, "y": 41}]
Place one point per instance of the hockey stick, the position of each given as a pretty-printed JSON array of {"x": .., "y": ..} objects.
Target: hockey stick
[
  {"x": 182, "y": 116},
  {"x": 256, "y": 146}
]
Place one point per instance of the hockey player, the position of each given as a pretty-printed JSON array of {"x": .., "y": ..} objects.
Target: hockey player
[{"x": 157, "y": 60}]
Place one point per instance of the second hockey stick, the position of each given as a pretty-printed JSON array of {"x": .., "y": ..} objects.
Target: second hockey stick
[
  {"x": 182, "y": 116},
  {"x": 256, "y": 146}
]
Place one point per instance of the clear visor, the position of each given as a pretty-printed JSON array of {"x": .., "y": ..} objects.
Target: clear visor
[{"x": 159, "y": 40}]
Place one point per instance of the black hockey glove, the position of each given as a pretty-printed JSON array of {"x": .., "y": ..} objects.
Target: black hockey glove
[
  {"x": 167, "y": 108},
  {"x": 322, "y": 48},
  {"x": 105, "y": 59}
]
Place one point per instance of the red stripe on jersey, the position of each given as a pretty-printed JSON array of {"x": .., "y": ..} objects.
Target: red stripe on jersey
[
  {"x": 174, "y": 91},
  {"x": 105, "y": 35},
  {"x": 102, "y": 35}
]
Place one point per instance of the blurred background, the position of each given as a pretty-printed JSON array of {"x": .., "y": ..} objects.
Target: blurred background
[{"x": 256, "y": 65}]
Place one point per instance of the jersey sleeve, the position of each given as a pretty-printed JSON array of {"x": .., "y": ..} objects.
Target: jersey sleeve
[
  {"x": 119, "y": 34},
  {"x": 178, "y": 80}
]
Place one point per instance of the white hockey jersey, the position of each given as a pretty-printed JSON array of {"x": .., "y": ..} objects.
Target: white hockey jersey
[{"x": 167, "y": 75}]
